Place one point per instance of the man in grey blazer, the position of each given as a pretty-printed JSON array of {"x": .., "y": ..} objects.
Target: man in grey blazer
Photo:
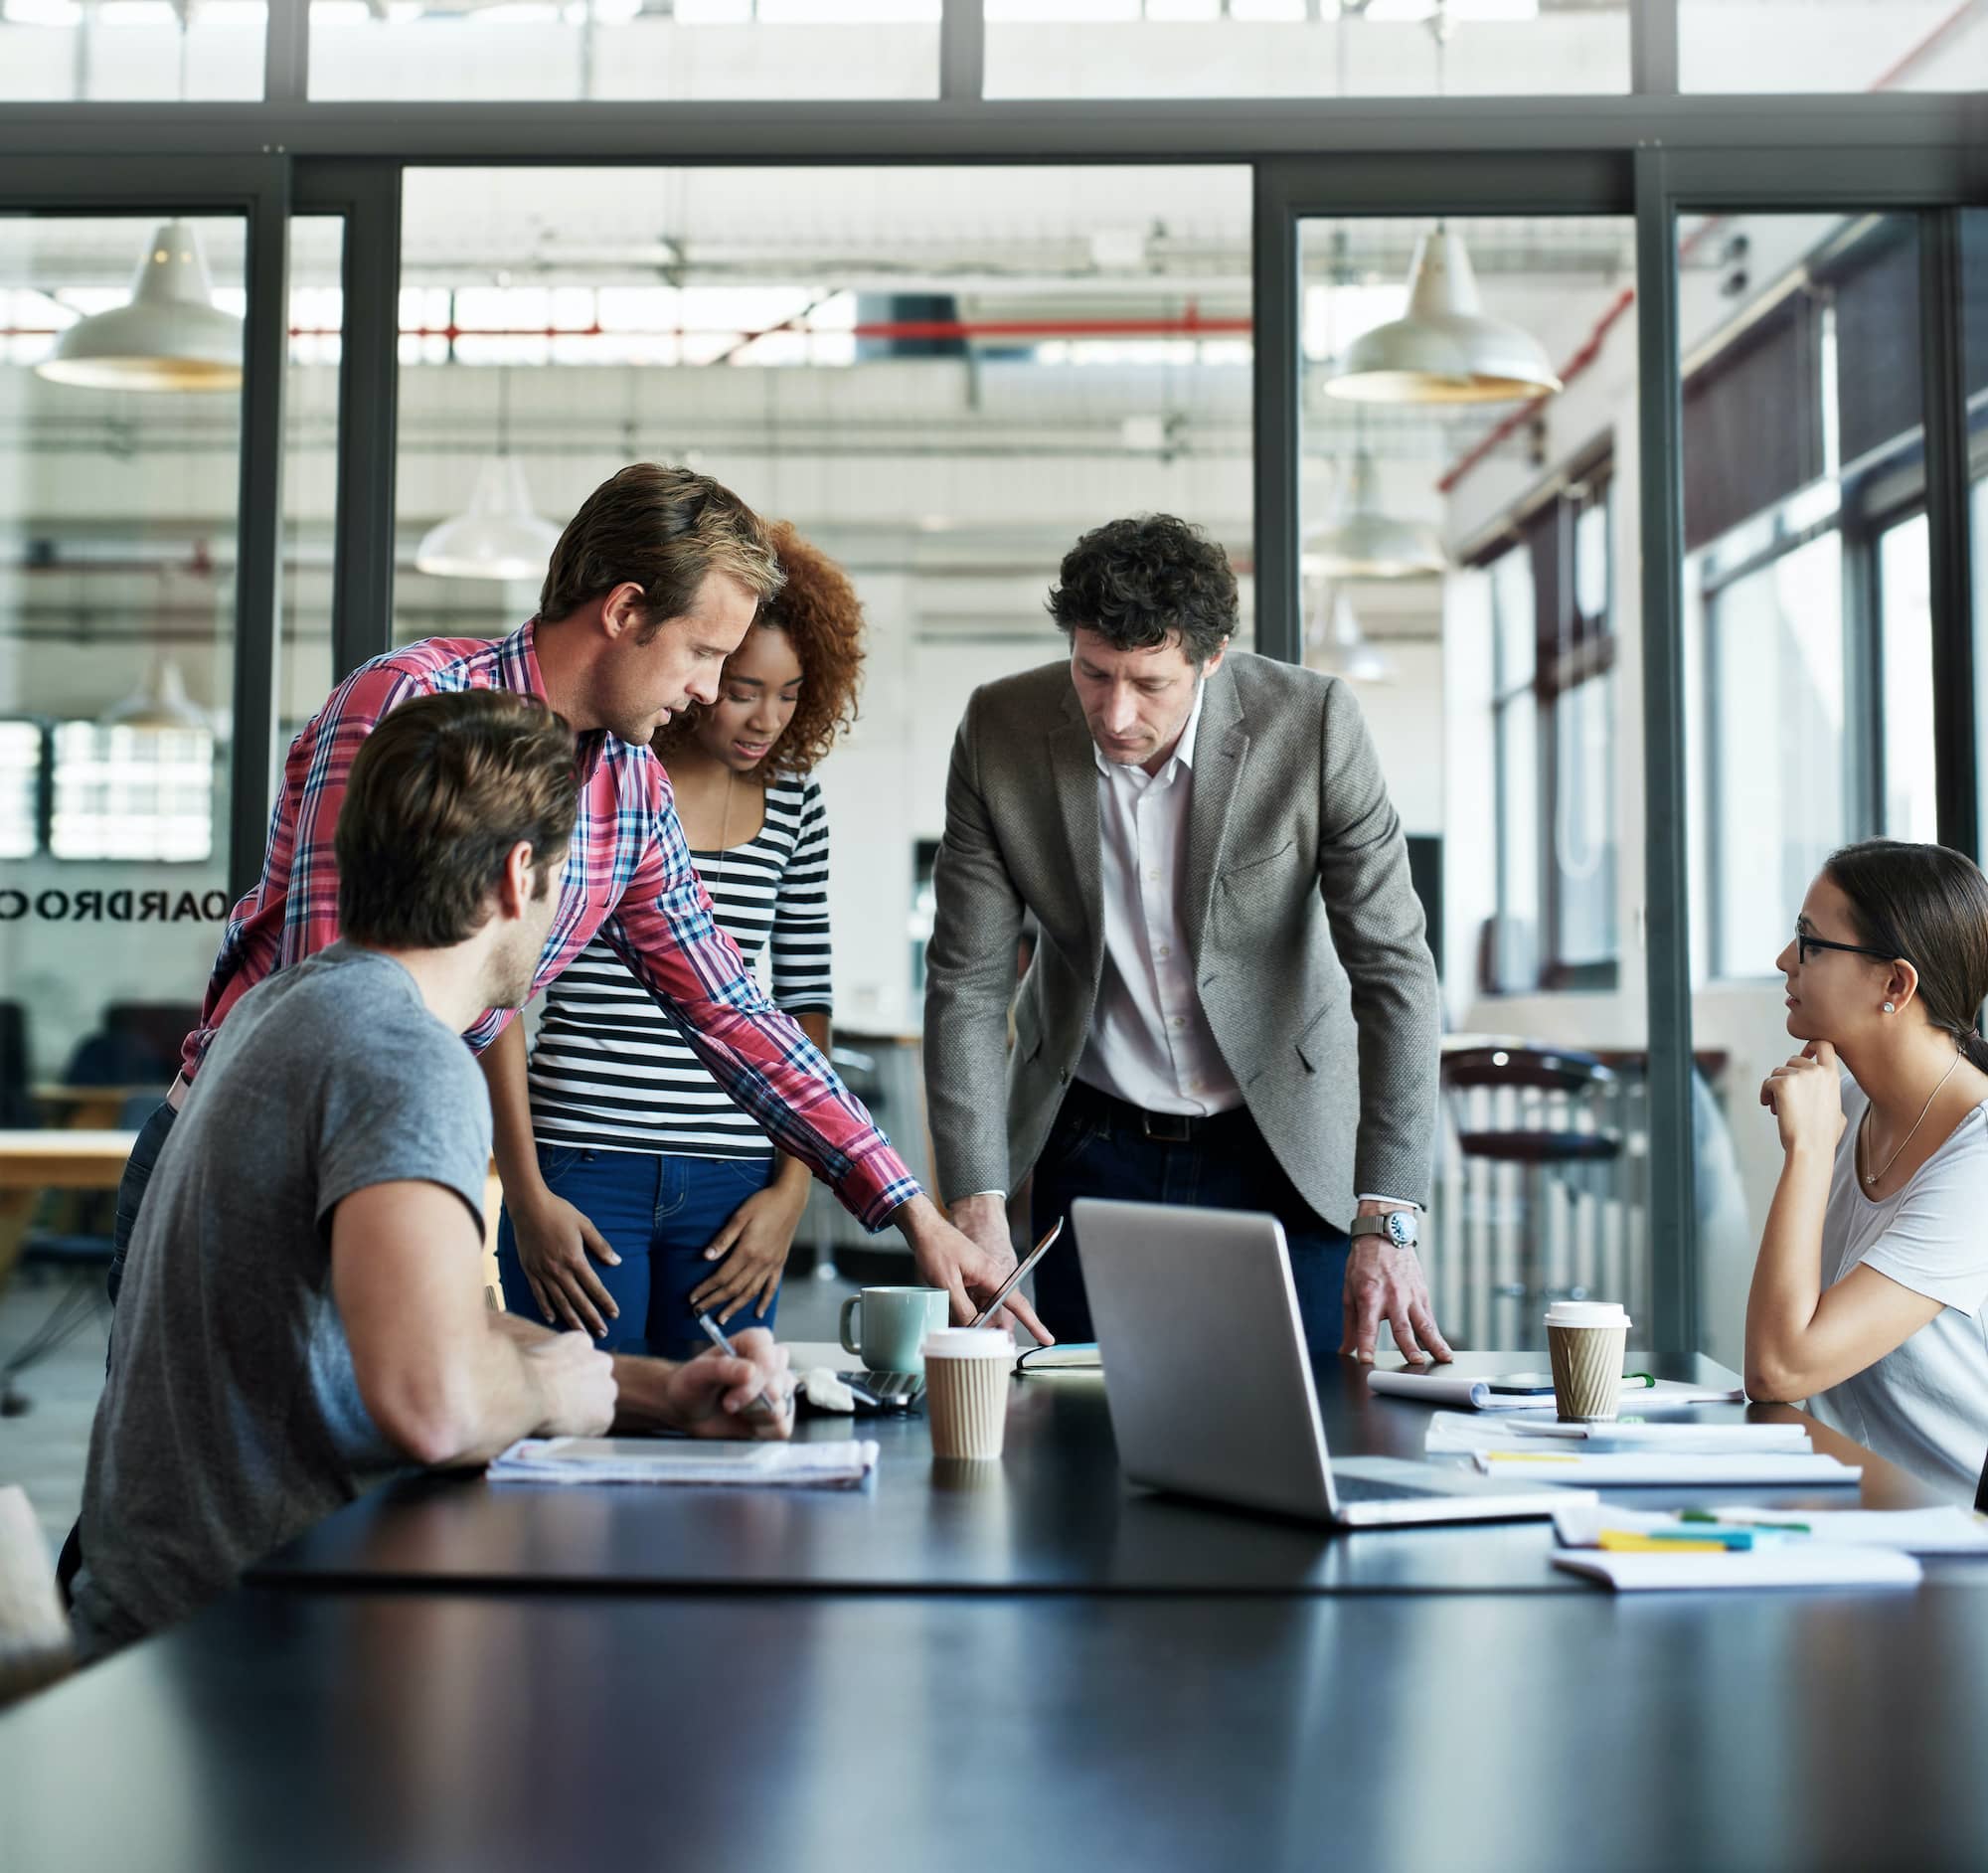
[{"x": 1232, "y": 1001}]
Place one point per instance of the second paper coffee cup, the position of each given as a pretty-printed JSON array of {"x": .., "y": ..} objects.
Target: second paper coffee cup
[
  {"x": 966, "y": 1389},
  {"x": 1587, "y": 1339}
]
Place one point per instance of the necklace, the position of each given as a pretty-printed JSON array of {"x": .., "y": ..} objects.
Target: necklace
[
  {"x": 1874, "y": 1175},
  {"x": 724, "y": 829}
]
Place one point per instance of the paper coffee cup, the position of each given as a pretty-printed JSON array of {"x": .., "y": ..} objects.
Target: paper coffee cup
[
  {"x": 966, "y": 1389},
  {"x": 1587, "y": 1339}
]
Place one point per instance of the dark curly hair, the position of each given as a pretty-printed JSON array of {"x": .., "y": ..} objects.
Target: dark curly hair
[
  {"x": 822, "y": 617},
  {"x": 1142, "y": 582}
]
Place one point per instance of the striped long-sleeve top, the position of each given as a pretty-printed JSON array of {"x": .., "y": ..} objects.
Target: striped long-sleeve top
[
  {"x": 628, "y": 879},
  {"x": 609, "y": 1067}
]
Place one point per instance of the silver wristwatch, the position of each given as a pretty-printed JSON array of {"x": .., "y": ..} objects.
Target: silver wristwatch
[{"x": 1397, "y": 1226}]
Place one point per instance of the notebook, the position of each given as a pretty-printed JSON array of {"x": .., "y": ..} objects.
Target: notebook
[
  {"x": 1629, "y": 1469},
  {"x": 1074, "y": 1356},
  {"x": 686, "y": 1460},
  {"x": 1454, "y": 1434},
  {"x": 1946, "y": 1530},
  {"x": 1792, "y": 1564},
  {"x": 1439, "y": 1387}
]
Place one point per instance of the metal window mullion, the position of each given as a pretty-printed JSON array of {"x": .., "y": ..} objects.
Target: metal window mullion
[
  {"x": 1276, "y": 390},
  {"x": 1653, "y": 48},
  {"x": 368, "y": 197},
  {"x": 259, "y": 524},
  {"x": 1673, "y": 1222},
  {"x": 962, "y": 50},
  {"x": 286, "y": 52},
  {"x": 1949, "y": 542}
]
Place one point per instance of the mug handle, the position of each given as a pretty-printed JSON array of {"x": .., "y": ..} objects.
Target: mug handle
[{"x": 849, "y": 1334}]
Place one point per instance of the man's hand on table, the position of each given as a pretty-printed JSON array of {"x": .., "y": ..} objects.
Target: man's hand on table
[
  {"x": 970, "y": 1257},
  {"x": 716, "y": 1395},
  {"x": 1385, "y": 1283}
]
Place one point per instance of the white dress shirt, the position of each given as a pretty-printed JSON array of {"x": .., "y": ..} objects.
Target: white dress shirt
[{"x": 1150, "y": 1044}]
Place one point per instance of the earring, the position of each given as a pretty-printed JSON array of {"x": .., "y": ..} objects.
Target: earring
[{"x": 1889, "y": 1009}]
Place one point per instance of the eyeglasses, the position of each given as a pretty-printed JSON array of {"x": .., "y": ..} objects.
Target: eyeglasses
[{"x": 1806, "y": 945}]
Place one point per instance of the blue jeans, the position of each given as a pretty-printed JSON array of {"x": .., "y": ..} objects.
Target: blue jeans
[
  {"x": 1097, "y": 1148},
  {"x": 658, "y": 1215}
]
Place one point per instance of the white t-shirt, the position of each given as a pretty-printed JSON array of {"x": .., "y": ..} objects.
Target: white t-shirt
[{"x": 1925, "y": 1404}]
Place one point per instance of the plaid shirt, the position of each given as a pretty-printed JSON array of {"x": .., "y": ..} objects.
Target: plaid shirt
[{"x": 628, "y": 878}]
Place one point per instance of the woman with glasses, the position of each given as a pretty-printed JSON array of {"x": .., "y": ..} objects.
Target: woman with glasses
[
  {"x": 655, "y": 1196},
  {"x": 1868, "y": 1295}
]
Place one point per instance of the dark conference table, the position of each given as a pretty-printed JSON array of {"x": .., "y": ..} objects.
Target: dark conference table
[
  {"x": 453, "y": 1676},
  {"x": 1053, "y": 1516},
  {"x": 486, "y": 1733}
]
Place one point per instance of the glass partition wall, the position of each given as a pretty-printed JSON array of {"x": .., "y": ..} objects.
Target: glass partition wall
[{"x": 1665, "y": 650}]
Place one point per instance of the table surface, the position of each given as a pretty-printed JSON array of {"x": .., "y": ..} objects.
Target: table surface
[
  {"x": 1053, "y": 1516},
  {"x": 434, "y": 1733},
  {"x": 47, "y": 1157}
]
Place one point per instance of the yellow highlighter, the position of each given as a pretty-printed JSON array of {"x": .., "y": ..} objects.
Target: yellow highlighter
[
  {"x": 1528, "y": 1456},
  {"x": 1624, "y": 1541}
]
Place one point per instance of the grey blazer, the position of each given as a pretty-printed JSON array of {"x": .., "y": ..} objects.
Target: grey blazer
[{"x": 1307, "y": 937}]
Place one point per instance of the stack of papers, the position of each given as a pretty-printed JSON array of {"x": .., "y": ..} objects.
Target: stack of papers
[
  {"x": 1452, "y": 1434},
  {"x": 692, "y": 1461},
  {"x": 1631, "y": 1470},
  {"x": 1438, "y": 1386},
  {"x": 1950, "y": 1530},
  {"x": 1791, "y": 1564}
]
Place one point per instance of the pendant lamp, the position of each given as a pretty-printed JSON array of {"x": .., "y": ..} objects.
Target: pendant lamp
[
  {"x": 1345, "y": 649},
  {"x": 161, "y": 704},
  {"x": 498, "y": 535},
  {"x": 171, "y": 337},
  {"x": 1360, "y": 541},
  {"x": 1447, "y": 349}
]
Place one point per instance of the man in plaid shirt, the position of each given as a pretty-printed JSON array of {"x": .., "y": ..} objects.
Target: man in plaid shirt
[{"x": 653, "y": 584}]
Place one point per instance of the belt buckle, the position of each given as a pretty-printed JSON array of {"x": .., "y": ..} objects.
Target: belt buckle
[{"x": 1168, "y": 1127}]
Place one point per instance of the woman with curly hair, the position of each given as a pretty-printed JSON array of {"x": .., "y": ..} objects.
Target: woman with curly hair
[{"x": 678, "y": 1195}]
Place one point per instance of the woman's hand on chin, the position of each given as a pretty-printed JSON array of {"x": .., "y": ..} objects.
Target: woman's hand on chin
[{"x": 1805, "y": 1095}]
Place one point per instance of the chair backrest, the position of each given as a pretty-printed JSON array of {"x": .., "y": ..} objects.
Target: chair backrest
[
  {"x": 1532, "y": 1064},
  {"x": 35, "y": 1643},
  {"x": 17, "y": 1107}
]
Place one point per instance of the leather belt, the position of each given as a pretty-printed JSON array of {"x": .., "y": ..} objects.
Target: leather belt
[{"x": 1162, "y": 1127}]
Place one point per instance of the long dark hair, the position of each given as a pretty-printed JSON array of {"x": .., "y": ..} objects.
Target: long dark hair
[{"x": 1927, "y": 905}]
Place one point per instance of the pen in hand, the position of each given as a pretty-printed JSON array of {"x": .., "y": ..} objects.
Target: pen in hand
[{"x": 716, "y": 1335}]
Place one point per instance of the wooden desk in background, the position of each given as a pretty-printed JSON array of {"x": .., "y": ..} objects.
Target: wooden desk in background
[{"x": 52, "y": 1158}]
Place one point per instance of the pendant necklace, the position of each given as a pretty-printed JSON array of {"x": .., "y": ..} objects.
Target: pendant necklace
[{"x": 1917, "y": 1123}]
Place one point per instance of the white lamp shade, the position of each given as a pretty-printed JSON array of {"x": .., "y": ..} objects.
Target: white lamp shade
[
  {"x": 169, "y": 338},
  {"x": 1345, "y": 651},
  {"x": 1445, "y": 350},
  {"x": 161, "y": 704},
  {"x": 498, "y": 537},
  {"x": 1362, "y": 542}
]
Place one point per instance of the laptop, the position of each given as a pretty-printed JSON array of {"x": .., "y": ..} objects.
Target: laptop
[{"x": 1210, "y": 1385}]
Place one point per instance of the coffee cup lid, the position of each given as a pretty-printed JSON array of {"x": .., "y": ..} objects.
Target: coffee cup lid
[
  {"x": 970, "y": 1343},
  {"x": 1587, "y": 1313}
]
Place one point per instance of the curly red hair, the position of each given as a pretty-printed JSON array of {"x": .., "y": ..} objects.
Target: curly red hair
[{"x": 822, "y": 617}]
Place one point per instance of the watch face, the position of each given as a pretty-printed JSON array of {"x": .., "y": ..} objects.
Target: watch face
[{"x": 1401, "y": 1228}]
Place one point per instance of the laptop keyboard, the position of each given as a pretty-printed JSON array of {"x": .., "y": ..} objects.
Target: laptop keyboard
[{"x": 1369, "y": 1490}]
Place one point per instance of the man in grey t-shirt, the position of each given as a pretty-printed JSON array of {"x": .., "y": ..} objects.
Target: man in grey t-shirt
[{"x": 303, "y": 1306}]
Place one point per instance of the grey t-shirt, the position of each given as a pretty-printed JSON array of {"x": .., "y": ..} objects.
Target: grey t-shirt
[
  {"x": 1925, "y": 1404},
  {"x": 231, "y": 1418}
]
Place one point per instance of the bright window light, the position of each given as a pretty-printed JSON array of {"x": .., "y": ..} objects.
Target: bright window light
[
  {"x": 20, "y": 782},
  {"x": 1062, "y": 12},
  {"x": 41, "y": 13},
  {"x": 115, "y": 13},
  {"x": 132, "y": 794},
  {"x": 1278, "y": 12}
]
